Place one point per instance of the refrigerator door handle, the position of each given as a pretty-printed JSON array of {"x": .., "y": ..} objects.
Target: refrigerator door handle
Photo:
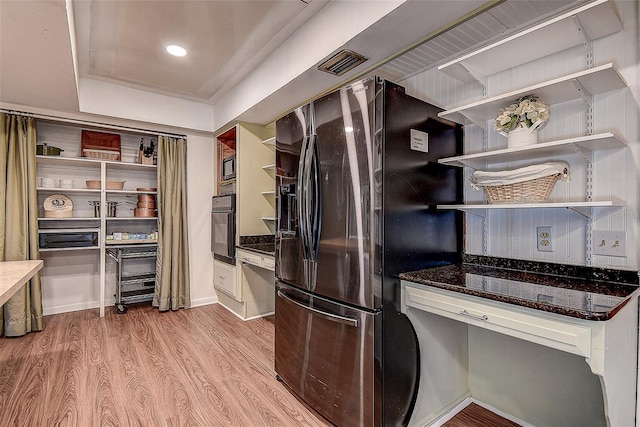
[
  {"x": 301, "y": 196},
  {"x": 330, "y": 316},
  {"x": 314, "y": 199}
]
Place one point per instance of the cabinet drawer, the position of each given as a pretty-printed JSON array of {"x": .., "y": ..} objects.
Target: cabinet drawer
[
  {"x": 249, "y": 258},
  {"x": 538, "y": 327},
  {"x": 269, "y": 263},
  {"x": 224, "y": 279}
]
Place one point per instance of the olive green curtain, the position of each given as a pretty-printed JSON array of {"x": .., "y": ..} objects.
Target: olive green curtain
[
  {"x": 172, "y": 267},
  {"x": 19, "y": 220}
]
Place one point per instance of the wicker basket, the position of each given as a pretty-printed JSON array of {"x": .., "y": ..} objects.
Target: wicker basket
[
  {"x": 101, "y": 154},
  {"x": 531, "y": 191}
]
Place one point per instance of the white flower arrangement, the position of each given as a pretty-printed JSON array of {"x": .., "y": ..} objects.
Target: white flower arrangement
[{"x": 526, "y": 112}]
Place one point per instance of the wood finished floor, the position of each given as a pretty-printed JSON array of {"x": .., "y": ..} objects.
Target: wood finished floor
[{"x": 197, "y": 367}]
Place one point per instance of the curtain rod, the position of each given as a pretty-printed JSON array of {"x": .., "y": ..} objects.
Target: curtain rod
[{"x": 88, "y": 123}]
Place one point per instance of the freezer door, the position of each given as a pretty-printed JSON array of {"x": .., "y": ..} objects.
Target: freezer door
[{"x": 325, "y": 353}]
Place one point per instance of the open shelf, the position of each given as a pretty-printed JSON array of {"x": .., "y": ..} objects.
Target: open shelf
[
  {"x": 67, "y": 190},
  {"x": 131, "y": 218},
  {"x": 573, "y": 28},
  {"x": 130, "y": 242},
  {"x": 134, "y": 192},
  {"x": 270, "y": 141},
  {"x": 583, "y": 208},
  {"x": 582, "y": 144},
  {"x": 68, "y": 249},
  {"x": 79, "y": 219},
  {"x": 574, "y": 86}
]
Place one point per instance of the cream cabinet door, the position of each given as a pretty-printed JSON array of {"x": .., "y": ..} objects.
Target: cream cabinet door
[{"x": 224, "y": 279}]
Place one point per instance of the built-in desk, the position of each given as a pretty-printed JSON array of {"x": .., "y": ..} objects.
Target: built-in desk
[
  {"x": 14, "y": 274},
  {"x": 254, "y": 288},
  {"x": 516, "y": 336}
]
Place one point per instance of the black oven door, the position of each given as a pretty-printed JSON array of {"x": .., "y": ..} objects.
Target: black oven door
[{"x": 223, "y": 236}]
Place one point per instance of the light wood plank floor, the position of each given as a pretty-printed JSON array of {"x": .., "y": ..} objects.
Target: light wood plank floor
[{"x": 197, "y": 367}]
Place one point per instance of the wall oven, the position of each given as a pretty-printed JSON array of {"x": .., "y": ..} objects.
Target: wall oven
[{"x": 223, "y": 228}]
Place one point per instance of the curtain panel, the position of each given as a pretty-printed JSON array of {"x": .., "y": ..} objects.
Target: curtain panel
[
  {"x": 19, "y": 220},
  {"x": 172, "y": 266}
]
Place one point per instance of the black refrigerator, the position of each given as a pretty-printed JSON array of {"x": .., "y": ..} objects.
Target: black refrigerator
[{"x": 357, "y": 184}]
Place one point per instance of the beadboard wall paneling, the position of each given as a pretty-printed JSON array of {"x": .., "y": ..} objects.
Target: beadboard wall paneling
[{"x": 511, "y": 233}]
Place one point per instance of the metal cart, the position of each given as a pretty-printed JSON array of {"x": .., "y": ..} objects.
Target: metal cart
[{"x": 133, "y": 287}]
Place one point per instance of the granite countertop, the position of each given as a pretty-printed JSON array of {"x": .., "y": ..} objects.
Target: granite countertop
[
  {"x": 264, "y": 244},
  {"x": 582, "y": 292}
]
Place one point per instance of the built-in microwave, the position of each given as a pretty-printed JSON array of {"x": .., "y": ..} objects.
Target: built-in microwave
[{"x": 228, "y": 167}]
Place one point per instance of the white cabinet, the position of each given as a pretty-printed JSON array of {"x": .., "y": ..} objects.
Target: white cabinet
[
  {"x": 254, "y": 181},
  {"x": 254, "y": 258},
  {"x": 224, "y": 279}
]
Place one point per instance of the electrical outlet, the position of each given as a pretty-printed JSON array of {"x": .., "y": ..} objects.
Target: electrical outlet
[
  {"x": 610, "y": 242},
  {"x": 545, "y": 238}
]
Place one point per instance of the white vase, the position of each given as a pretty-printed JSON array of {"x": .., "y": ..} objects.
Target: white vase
[{"x": 519, "y": 137}]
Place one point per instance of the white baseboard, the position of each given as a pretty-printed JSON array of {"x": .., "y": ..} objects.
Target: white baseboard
[
  {"x": 88, "y": 305},
  {"x": 204, "y": 301},
  {"x": 59, "y": 309},
  {"x": 468, "y": 401}
]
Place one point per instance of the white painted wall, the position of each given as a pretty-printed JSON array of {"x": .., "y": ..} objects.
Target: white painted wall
[
  {"x": 98, "y": 97},
  {"x": 511, "y": 233},
  {"x": 200, "y": 188}
]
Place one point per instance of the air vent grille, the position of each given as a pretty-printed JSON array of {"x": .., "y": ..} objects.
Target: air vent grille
[{"x": 342, "y": 62}]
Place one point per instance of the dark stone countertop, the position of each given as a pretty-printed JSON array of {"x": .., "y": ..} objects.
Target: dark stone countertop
[
  {"x": 582, "y": 292},
  {"x": 264, "y": 244}
]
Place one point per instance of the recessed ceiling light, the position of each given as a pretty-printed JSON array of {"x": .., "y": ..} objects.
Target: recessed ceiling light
[{"x": 176, "y": 50}]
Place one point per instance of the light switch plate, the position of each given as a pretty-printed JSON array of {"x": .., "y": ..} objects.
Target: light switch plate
[{"x": 610, "y": 242}]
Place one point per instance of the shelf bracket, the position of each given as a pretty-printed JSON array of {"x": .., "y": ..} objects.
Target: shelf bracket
[
  {"x": 586, "y": 153},
  {"x": 580, "y": 28},
  {"x": 584, "y": 211},
  {"x": 478, "y": 77},
  {"x": 586, "y": 95}
]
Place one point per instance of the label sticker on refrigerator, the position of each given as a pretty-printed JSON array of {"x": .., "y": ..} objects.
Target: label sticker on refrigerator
[{"x": 419, "y": 141}]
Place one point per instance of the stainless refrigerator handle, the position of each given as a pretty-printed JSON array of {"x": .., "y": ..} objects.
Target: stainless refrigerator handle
[
  {"x": 301, "y": 191},
  {"x": 330, "y": 316},
  {"x": 314, "y": 204}
]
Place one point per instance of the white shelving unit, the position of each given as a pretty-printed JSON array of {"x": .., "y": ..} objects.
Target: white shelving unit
[
  {"x": 580, "y": 25},
  {"x": 582, "y": 84},
  {"x": 573, "y": 28},
  {"x": 80, "y": 169}
]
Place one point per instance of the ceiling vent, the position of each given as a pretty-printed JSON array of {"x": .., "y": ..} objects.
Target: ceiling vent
[{"x": 342, "y": 62}]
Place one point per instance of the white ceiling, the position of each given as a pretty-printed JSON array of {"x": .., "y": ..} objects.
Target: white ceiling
[{"x": 122, "y": 42}]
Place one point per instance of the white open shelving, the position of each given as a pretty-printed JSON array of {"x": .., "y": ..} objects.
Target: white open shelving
[
  {"x": 582, "y": 84},
  {"x": 573, "y": 28},
  {"x": 270, "y": 141},
  {"x": 583, "y": 144},
  {"x": 582, "y": 207}
]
